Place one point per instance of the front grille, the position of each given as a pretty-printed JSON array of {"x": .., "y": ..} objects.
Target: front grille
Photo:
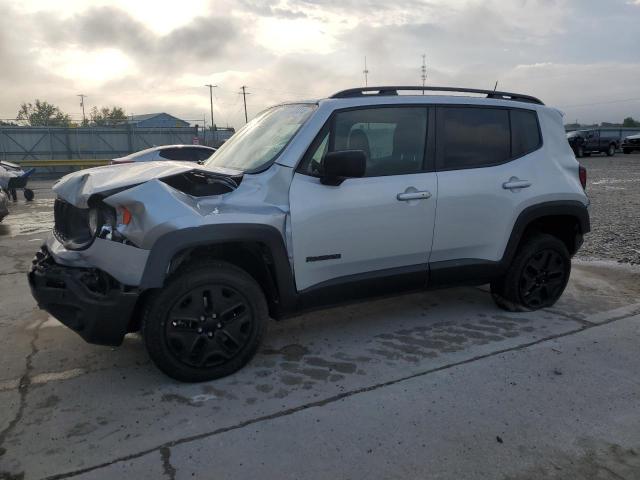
[{"x": 71, "y": 226}]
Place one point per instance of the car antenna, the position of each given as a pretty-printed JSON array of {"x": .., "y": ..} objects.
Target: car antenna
[{"x": 495, "y": 86}]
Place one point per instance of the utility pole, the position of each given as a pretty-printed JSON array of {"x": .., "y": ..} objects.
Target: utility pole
[
  {"x": 366, "y": 73},
  {"x": 84, "y": 120},
  {"x": 424, "y": 72},
  {"x": 244, "y": 97},
  {"x": 211, "y": 87}
]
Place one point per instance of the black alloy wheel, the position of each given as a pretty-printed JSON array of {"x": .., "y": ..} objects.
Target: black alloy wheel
[
  {"x": 536, "y": 277},
  {"x": 207, "y": 322},
  {"x": 209, "y": 325},
  {"x": 543, "y": 279}
]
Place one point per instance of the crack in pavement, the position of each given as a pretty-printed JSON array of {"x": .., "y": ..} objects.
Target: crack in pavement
[
  {"x": 571, "y": 316},
  {"x": 169, "y": 470},
  {"x": 23, "y": 390},
  {"x": 326, "y": 401}
]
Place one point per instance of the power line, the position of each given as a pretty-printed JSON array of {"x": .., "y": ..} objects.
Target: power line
[
  {"x": 211, "y": 87},
  {"x": 244, "y": 94}
]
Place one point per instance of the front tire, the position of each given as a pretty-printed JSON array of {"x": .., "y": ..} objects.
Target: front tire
[
  {"x": 580, "y": 151},
  {"x": 626, "y": 151},
  {"x": 536, "y": 277},
  {"x": 206, "y": 323}
]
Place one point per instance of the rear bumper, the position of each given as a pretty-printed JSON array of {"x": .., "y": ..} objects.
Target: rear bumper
[{"x": 87, "y": 300}]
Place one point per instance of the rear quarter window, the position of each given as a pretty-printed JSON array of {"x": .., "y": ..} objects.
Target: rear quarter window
[{"x": 525, "y": 133}]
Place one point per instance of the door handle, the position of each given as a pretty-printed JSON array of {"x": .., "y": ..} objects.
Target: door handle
[
  {"x": 406, "y": 196},
  {"x": 514, "y": 183}
]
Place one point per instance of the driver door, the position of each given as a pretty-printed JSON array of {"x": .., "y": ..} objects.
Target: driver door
[{"x": 376, "y": 225}]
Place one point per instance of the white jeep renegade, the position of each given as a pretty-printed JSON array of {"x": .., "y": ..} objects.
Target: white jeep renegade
[{"x": 364, "y": 193}]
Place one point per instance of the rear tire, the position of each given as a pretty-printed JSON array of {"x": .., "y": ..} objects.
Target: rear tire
[
  {"x": 28, "y": 194},
  {"x": 579, "y": 151},
  {"x": 537, "y": 276},
  {"x": 206, "y": 323},
  {"x": 611, "y": 150}
]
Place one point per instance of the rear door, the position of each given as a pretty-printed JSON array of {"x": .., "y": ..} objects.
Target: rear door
[
  {"x": 376, "y": 225},
  {"x": 593, "y": 140},
  {"x": 487, "y": 161}
]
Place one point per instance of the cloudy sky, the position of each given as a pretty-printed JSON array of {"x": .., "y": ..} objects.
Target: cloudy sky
[{"x": 582, "y": 56}]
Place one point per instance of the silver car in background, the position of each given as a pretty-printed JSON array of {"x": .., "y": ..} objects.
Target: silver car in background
[{"x": 185, "y": 153}]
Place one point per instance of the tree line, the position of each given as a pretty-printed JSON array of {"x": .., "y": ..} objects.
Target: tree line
[
  {"x": 628, "y": 122},
  {"x": 41, "y": 113}
]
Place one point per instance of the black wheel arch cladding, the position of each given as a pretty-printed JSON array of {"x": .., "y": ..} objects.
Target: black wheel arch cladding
[{"x": 172, "y": 244}]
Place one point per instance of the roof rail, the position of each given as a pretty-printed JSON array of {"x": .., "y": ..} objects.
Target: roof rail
[{"x": 393, "y": 90}]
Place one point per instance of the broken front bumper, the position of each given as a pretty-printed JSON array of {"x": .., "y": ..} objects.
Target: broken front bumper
[{"x": 87, "y": 300}]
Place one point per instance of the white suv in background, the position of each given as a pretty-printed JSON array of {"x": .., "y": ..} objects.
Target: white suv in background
[{"x": 367, "y": 192}]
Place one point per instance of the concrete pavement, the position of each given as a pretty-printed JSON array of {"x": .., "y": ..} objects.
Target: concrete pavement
[{"x": 440, "y": 384}]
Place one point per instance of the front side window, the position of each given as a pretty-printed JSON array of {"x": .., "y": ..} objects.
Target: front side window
[
  {"x": 261, "y": 140},
  {"x": 393, "y": 140}
]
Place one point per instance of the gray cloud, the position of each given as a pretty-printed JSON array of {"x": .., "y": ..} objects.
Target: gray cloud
[
  {"x": 569, "y": 52},
  {"x": 270, "y": 9},
  {"x": 203, "y": 41}
]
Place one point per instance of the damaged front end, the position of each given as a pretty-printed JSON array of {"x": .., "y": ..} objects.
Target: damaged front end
[
  {"x": 87, "y": 300},
  {"x": 106, "y": 215},
  {"x": 87, "y": 273}
]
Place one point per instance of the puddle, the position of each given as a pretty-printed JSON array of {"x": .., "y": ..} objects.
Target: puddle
[{"x": 28, "y": 218}]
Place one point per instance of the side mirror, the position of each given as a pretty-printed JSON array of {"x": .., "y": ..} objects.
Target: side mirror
[{"x": 337, "y": 166}]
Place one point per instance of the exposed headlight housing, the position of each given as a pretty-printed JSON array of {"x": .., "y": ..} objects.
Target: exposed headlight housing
[{"x": 76, "y": 228}]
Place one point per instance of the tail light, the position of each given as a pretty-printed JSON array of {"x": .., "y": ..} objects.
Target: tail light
[{"x": 582, "y": 172}]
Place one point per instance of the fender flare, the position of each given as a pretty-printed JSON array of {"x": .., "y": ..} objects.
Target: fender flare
[
  {"x": 571, "y": 208},
  {"x": 170, "y": 244}
]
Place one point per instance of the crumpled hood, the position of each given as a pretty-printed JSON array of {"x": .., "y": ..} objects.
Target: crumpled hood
[{"x": 76, "y": 188}]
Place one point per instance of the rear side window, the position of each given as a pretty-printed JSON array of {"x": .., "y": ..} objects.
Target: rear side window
[
  {"x": 475, "y": 137},
  {"x": 525, "y": 134}
]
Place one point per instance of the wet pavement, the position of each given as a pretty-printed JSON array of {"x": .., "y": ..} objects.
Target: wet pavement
[{"x": 440, "y": 384}]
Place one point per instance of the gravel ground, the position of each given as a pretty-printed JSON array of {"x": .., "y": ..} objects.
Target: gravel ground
[{"x": 614, "y": 189}]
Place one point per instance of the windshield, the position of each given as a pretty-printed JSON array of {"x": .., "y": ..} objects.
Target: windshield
[{"x": 261, "y": 140}]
